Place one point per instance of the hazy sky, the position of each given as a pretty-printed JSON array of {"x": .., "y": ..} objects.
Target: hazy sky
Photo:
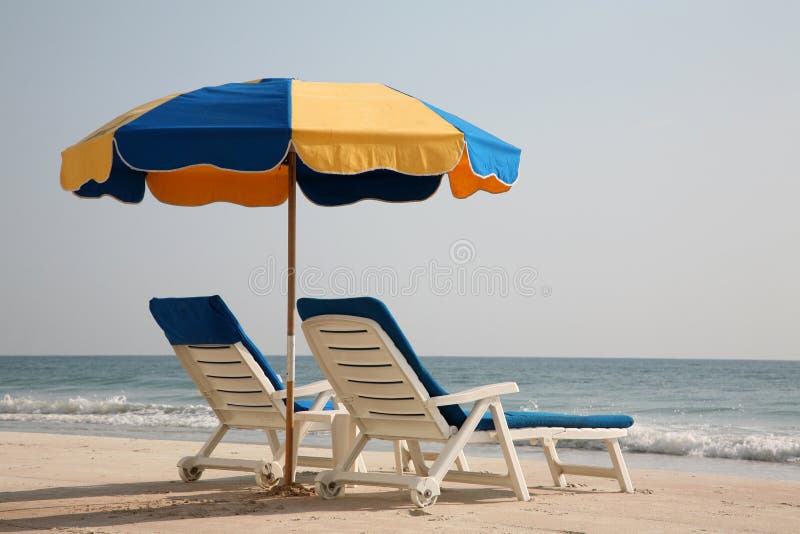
[{"x": 657, "y": 200}]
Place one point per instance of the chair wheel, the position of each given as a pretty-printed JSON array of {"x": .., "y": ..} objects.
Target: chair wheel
[
  {"x": 190, "y": 474},
  {"x": 423, "y": 500},
  {"x": 269, "y": 474},
  {"x": 425, "y": 493},
  {"x": 328, "y": 491}
]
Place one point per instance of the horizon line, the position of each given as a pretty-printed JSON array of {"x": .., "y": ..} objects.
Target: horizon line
[{"x": 714, "y": 358}]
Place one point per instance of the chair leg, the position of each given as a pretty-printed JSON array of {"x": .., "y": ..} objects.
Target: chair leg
[
  {"x": 212, "y": 442},
  {"x": 398, "y": 456},
  {"x": 553, "y": 462},
  {"x": 620, "y": 468},
  {"x": 461, "y": 462},
  {"x": 354, "y": 454},
  {"x": 274, "y": 442},
  {"x": 340, "y": 438},
  {"x": 406, "y": 456},
  {"x": 402, "y": 457},
  {"x": 415, "y": 451},
  {"x": 279, "y": 456},
  {"x": 360, "y": 465},
  {"x": 456, "y": 443},
  {"x": 515, "y": 475}
]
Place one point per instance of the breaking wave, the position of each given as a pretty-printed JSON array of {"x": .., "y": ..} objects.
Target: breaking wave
[
  {"x": 714, "y": 443},
  {"x": 115, "y": 411},
  {"x": 702, "y": 441}
]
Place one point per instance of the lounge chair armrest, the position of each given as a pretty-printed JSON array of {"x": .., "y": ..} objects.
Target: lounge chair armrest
[
  {"x": 307, "y": 390},
  {"x": 314, "y": 388},
  {"x": 474, "y": 394}
]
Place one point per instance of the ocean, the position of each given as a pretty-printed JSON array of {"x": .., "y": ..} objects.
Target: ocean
[{"x": 732, "y": 417}]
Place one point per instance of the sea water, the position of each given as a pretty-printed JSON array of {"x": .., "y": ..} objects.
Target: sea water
[{"x": 734, "y": 417}]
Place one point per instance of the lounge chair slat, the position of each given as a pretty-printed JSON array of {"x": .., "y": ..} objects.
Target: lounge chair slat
[
  {"x": 235, "y": 384},
  {"x": 386, "y": 398},
  {"x": 371, "y": 374},
  {"x": 351, "y": 364},
  {"x": 366, "y": 405},
  {"x": 243, "y": 397},
  {"x": 243, "y": 377},
  {"x": 380, "y": 390},
  {"x": 360, "y": 356},
  {"x": 398, "y": 414},
  {"x": 374, "y": 381},
  {"x": 352, "y": 337}
]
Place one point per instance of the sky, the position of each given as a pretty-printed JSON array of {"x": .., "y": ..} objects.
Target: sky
[{"x": 656, "y": 213}]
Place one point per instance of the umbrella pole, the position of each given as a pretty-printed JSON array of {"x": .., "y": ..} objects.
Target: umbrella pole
[{"x": 290, "y": 312}]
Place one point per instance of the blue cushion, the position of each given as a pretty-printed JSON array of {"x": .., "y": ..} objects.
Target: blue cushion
[
  {"x": 371, "y": 308},
  {"x": 305, "y": 405},
  {"x": 536, "y": 419},
  {"x": 206, "y": 321}
]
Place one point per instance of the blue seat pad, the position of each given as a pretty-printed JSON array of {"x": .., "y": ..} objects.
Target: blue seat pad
[
  {"x": 305, "y": 405},
  {"x": 546, "y": 419},
  {"x": 372, "y": 308}
]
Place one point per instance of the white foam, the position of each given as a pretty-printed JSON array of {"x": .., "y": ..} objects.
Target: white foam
[
  {"x": 700, "y": 441},
  {"x": 115, "y": 411},
  {"x": 706, "y": 441},
  {"x": 713, "y": 442}
]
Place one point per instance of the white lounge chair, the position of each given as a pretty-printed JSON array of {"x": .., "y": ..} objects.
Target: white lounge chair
[
  {"x": 391, "y": 396},
  {"x": 243, "y": 390}
]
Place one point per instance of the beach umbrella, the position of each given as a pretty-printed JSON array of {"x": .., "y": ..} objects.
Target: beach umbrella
[{"x": 253, "y": 143}]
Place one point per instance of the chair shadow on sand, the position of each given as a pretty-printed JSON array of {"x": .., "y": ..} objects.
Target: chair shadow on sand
[{"x": 143, "y": 502}]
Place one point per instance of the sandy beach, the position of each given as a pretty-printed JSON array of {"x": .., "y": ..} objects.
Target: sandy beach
[{"x": 101, "y": 484}]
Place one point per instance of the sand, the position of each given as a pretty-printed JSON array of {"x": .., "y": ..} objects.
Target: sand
[{"x": 101, "y": 484}]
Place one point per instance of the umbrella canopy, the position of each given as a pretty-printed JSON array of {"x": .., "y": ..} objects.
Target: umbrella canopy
[
  {"x": 253, "y": 143},
  {"x": 227, "y": 143}
]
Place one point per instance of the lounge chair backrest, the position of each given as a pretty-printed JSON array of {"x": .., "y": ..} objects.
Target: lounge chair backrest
[
  {"x": 225, "y": 366},
  {"x": 372, "y": 308},
  {"x": 373, "y": 379},
  {"x": 232, "y": 383}
]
